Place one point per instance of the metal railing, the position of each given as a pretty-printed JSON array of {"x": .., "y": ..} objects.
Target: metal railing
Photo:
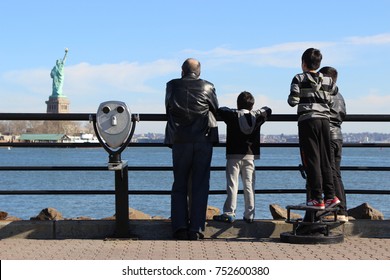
[
  {"x": 161, "y": 118},
  {"x": 121, "y": 177}
]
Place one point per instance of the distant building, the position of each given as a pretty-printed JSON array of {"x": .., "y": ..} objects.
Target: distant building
[
  {"x": 83, "y": 138},
  {"x": 46, "y": 138}
]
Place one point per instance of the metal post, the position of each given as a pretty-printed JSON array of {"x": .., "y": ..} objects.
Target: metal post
[{"x": 122, "y": 201}]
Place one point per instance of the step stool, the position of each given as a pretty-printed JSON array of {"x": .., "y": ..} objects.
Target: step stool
[{"x": 314, "y": 220}]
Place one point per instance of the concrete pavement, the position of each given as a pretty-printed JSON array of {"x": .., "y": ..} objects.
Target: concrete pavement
[
  {"x": 208, "y": 249},
  {"x": 83, "y": 240}
]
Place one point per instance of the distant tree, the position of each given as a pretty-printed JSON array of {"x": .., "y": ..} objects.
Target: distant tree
[{"x": 45, "y": 127}]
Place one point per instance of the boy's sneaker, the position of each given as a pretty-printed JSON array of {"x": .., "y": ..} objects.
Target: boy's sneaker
[
  {"x": 315, "y": 204},
  {"x": 224, "y": 218},
  {"x": 332, "y": 202},
  {"x": 249, "y": 221},
  {"x": 330, "y": 218}
]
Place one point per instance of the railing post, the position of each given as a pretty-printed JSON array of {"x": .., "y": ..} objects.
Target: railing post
[{"x": 122, "y": 201}]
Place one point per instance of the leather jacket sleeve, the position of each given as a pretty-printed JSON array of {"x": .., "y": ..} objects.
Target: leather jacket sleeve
[{"x": 337, "y": 115}]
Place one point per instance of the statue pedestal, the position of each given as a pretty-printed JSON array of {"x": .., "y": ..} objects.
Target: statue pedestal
[{"x": 57, "y": 104}]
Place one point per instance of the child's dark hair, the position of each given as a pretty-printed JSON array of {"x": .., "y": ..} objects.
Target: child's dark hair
[
  {"x": 329, "y": 71},
  {"x": 312, "y": 58},
  {"x": 245, "y": 100}
]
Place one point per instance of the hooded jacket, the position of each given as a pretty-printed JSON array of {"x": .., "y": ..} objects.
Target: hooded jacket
[
  {"x": 312, "y": 93},
  {"x": 243, "y": 131},
  {"x": 190, "y": 105}
]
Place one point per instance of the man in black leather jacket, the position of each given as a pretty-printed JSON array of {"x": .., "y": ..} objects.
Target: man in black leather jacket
[{"x": 191, "y": 130}]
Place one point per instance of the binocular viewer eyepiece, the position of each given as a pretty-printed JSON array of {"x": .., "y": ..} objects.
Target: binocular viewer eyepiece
[
  {"x": 114, "y": 128},
  {"x": 113, "y": 122}
]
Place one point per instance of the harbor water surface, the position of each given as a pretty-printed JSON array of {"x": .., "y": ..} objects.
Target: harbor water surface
[{"x": 102, "y": 206}]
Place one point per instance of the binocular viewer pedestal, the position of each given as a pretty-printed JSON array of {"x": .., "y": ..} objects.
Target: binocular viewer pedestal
[
  {"x": 114, "y": 127},
  {"x": 115, "y": 162}
]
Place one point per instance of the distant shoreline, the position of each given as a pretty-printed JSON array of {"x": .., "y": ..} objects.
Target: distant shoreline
[{"x": 158, "y": 138}]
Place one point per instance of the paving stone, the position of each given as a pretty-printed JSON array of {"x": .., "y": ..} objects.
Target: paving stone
[{"x": 71, "y": 249}]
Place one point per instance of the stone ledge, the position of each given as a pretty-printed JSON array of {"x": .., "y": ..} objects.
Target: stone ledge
[{"x": 161, "y": 229}]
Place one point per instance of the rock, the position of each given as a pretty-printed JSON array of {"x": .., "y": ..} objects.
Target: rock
[
  {"x": 81, "y": 218},
  {"x": 365, "y": 211},
  {"x": 158, "y": 218},
  {"x": 109, "y": 218},
  {"x": 3, "y": 215},
  {"x": 48, "y": 214},
  {"x": 212, "y": 211},
  {"x": 12, "y": 218},
  {"x": 133, "y": 215},
  {"x": 138, "y": 215},
  {"x": 279, "y": 213}
]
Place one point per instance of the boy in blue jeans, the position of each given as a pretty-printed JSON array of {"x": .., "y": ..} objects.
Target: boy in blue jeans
[{"x": 242, "y": 148}]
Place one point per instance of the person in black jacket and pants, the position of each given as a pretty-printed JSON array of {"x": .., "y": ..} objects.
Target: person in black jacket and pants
[
  {"x": 191, "y": 105},
  {"x": 337, "y": 115}
]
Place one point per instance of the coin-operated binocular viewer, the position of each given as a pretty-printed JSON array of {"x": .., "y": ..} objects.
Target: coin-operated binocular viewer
[{"x": 114, "y": 127}]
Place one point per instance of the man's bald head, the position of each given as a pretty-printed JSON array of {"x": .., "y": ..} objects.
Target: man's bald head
[{"x": 191, "y": 65}]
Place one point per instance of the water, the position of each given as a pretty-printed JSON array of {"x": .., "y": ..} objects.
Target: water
[{"x": 101, "y": 206}]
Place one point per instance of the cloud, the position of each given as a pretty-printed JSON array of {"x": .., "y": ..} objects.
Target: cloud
[
  {"x": 279, "y": 55},
  {"x": 135, "y": 77},
  {"x": 285, "y": 55},
  {"x": 369, "y": 104},
  {"x": 32, "y": 80},
  {"x": 379, "y": 39},
  {"x": 122, "y": 77},
  {"x": 142, "y": 84},
  {"x": 87, "y": 85}
]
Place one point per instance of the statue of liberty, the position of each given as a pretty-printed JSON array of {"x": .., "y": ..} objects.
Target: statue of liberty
[{"x": 57, "y": 74}]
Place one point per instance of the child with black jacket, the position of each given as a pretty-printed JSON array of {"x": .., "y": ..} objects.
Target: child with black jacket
[
  {"x": 337, "y": 116},
  {"x": 242, "y": 148}
]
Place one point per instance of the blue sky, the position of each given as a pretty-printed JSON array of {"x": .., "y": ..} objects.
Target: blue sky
[{"x": 128, "y": 50}]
